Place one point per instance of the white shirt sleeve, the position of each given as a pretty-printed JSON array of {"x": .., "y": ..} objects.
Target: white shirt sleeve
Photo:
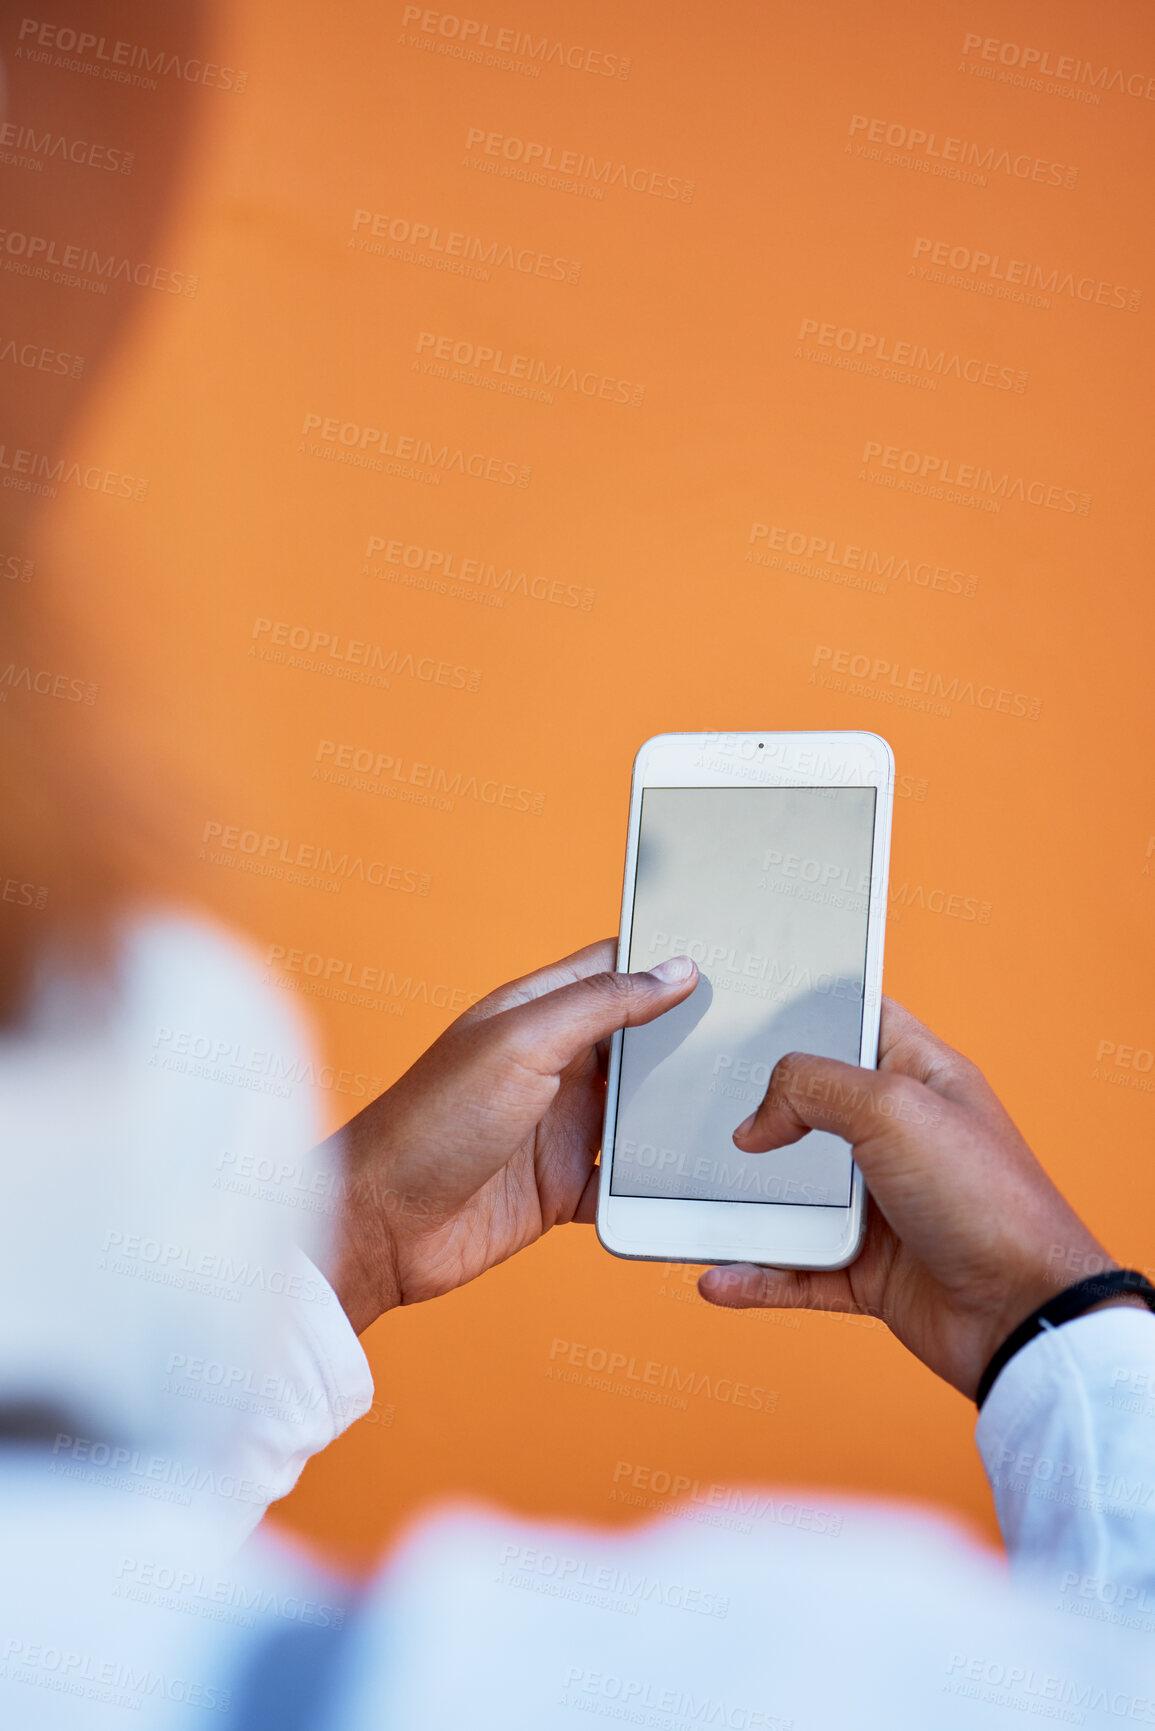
[
  {"x": 316, "y": 1383},
  {"x": 1067, "y": 1437},
  {"x": 234, "y": 1070}
]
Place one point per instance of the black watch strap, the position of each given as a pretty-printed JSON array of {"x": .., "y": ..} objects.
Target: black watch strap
[{"x": 1065, "y": 1307}]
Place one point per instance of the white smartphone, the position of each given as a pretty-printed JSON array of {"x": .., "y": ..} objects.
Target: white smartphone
[{"x": 765, "y": 857}]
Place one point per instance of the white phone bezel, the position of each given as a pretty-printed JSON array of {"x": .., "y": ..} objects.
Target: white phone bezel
[{"x": 775, "y": 1234}]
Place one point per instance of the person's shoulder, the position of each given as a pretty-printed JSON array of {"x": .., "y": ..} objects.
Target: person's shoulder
[
  {"x": 201, "y": 991},
  {"x": 797, "y": 1608}
]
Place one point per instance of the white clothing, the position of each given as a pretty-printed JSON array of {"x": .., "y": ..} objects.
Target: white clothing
[{"x": 153, "y": 1232}]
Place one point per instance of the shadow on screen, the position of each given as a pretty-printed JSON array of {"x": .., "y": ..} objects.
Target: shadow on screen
[
  {"x": 670, "y": 1031},
  {"x": 677, "y": 1094}
]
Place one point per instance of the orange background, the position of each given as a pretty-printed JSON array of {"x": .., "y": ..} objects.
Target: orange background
[{"x": 1043, "y": 825}]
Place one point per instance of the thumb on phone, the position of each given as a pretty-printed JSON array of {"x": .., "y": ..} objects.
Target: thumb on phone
[{"x": 551, "y": 1031}]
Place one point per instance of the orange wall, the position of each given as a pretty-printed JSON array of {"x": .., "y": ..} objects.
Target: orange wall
[{"x": 752, "y": 202}]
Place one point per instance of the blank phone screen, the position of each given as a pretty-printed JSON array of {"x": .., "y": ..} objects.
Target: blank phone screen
[{"x": 768, "y": 889}]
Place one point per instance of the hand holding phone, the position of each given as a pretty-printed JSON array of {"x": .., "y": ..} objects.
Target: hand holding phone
[
  {"x": 966, "y": 1233},
  {"x": 490, "y": 1138}
]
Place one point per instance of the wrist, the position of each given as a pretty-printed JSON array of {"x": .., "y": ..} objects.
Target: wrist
[
  {"x": 1094, "y": 1292},
  {"x": 1035, "y": 1284},
  {"x": 365, "y": 1274},
  {"x": 365, "y": 1258},
  {"x": 1131, "y": 1300},
  {"x": 1068, "y": 1259}
]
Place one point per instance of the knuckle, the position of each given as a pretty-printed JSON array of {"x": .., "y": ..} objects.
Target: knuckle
[
  {"x": 800, "y": 1077},
  {"x": 919, "y": 1057},
  {"x": 492, "y": 1005},
  {"x": 479, "y": 1012},
  {"x": 904, "y": 1101},
  {"x": 910, "y": 1049},
  {"x": 483, "y": 1043},
  {"x": 610, "y": 986},
  {"x": 788, "y": 1070}
]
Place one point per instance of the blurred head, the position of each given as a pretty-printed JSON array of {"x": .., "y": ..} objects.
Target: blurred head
[
  {"x": 79, "y": 836},
  {"x": 106, "y": 1213}
]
